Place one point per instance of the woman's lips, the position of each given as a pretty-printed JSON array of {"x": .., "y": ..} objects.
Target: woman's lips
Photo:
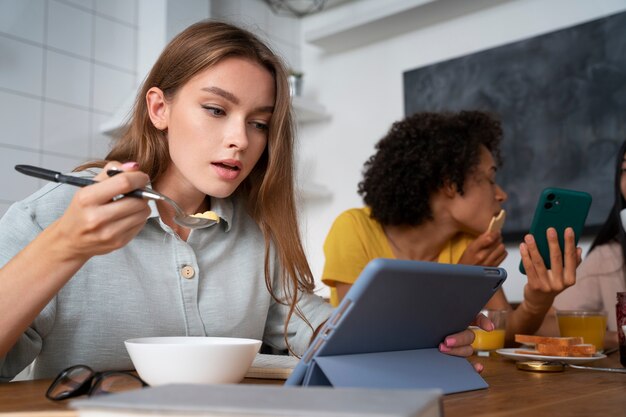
[{"x": 227, "y": 171}]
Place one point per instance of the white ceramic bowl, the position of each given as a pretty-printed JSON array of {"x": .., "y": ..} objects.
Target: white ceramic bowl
[{"x": 192, "y": 360}]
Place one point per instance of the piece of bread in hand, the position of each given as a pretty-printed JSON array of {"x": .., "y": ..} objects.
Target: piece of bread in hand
[
  {"x": 527, "y": 339},
  {"x": 497, "y": 222}
]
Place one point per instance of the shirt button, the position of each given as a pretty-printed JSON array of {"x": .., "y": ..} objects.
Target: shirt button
[{"x": 187, "y": 272}]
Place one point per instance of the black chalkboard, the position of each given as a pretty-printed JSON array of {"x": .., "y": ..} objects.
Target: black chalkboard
[{"x": 561, "y": 98}]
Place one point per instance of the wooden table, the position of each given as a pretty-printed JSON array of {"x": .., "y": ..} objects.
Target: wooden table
[
  {"x": 511, "y": 393},
  {"x": 569, "y": 393}
]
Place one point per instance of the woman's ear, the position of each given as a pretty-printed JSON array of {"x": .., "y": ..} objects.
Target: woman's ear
[
  {"x": 449, "y": 189},
  {"x": 157, "y": 108}
]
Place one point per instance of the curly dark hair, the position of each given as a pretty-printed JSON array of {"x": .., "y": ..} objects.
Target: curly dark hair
[{"x": 418, "y": 156}]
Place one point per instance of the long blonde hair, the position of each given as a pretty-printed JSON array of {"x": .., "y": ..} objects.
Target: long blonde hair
[{"x": 269, "y": 189}]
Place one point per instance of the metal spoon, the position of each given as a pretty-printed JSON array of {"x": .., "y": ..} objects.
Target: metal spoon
[{"x": 181, "y": 218}]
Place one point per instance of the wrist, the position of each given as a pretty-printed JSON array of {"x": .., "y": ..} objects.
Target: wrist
[
  {"x": 534, "y": 307},
  {"x": 59, "y": 245}
]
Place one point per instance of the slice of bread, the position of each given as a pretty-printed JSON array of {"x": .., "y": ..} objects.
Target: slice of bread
[
  {"x": 497, "y": 222},
  {"x": 582, "y": 350},
  {"x": 545, "y": 340}
]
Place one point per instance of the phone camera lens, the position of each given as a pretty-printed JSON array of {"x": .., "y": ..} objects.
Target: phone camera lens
[
  {"x": 548, "y": 206},
  {"x": 551, "y": 197}
]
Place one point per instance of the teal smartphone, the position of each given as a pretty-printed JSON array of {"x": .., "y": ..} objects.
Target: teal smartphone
[{"x": 558, "y": 208}]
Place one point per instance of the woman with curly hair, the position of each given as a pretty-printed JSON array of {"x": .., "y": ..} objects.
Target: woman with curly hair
[
  {"x": 430, "y": 194},
  {"x": 603, "y": 272}
]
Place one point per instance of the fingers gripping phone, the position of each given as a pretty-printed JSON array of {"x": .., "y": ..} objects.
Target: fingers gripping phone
[{"x": 560, "y": 209}]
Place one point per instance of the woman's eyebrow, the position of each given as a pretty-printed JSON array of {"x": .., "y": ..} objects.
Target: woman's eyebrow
[
  {"x": 222, "y": 93},
  {"x": 233, "y": 99}
]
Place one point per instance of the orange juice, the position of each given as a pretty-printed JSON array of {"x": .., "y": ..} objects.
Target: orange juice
[
  {"x": 591, "y": 326},
  {"x": 488, "y": 340}
]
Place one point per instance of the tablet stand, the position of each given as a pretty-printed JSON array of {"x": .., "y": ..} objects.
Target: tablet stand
[{"x": 421, "y": 368}]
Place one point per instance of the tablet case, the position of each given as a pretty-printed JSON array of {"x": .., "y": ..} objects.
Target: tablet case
[{"x": 386, "y": 331}]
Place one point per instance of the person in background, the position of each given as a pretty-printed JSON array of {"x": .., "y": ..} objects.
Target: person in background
[
  {"x": 430, "y": 192},
  {"x": 84, "y": 270},
  {"x": 602, "y": 273}
]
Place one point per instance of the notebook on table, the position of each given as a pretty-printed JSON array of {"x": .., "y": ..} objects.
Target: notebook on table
[
  {"x": 238, "y": 400},
  {"x": 267, "y": 366},
  {"x": 386, "y": 331}
]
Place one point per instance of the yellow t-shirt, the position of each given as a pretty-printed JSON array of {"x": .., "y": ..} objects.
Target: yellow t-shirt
[{"x": 355, "y": 239}]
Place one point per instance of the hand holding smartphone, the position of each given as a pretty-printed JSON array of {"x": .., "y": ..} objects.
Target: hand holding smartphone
[{"x": 558, "y": 208}]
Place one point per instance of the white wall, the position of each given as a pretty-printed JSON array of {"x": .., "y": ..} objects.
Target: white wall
[
  {"x": 362, "y": 89},
  {"x": 281, "y": 32},
  {"x": 64, "y": 68}
]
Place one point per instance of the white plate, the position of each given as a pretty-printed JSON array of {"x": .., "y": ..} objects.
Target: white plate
[{"x": 511, "y": 354}]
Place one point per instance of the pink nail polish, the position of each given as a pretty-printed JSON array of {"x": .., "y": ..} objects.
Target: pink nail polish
[
  {"x": 443, "y": 348},
  {"x": 450, "y": 341}
]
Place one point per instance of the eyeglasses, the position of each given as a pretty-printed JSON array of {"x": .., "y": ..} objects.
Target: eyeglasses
[{"x": 81, "y": 379}]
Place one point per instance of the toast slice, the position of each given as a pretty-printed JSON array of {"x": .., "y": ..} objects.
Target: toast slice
[
  {"x": 582, "y": 350},
  {"x": 497, "y": 222},
  {"x": 546, "y": 340}
]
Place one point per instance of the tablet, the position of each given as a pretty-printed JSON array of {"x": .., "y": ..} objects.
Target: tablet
[{"x": 398, "y": 305}]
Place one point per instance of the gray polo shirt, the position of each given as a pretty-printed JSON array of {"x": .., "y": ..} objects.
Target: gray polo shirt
[{"x": 158, "y": 285}]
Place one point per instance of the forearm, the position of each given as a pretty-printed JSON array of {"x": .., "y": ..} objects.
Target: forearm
[
  {"x": 525, "y": 319},
  {"x": 30, "y": 280}
]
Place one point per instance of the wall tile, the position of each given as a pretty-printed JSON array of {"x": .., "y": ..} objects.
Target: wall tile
[
  {"x": 68, "y": 79},
  {"x": 111, "y": 88},
  {"x": 20, "y": 118},
  {"x": 115, "y": 44},
  {"x": 89, "y": 4},
  {"x": 21, "y": 66},
  {"x": 23, "y": 18},
  {"x": 66, "y": 130},
  {"x": 70, "y": 29},
  {"x": 61, "y": 163},
  {"x": 21, "y": 185},
  {"x": 100, "y": 143},
  {"x": 124, "y": 10}
]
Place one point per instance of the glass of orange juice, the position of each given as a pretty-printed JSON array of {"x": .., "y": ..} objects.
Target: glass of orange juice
[
  {"x": 485, "y": 341},
  {"x": 590, "y": 325}
]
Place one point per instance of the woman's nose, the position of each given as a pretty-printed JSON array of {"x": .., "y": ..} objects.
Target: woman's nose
[
  {"x": 236, "y": 136},
  {"x": 501, "y": 196}
]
